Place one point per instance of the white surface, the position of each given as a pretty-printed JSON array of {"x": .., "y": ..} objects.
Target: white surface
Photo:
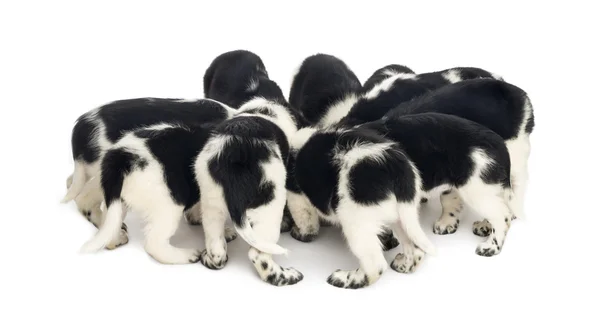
[{"x": 60, "y": 59}]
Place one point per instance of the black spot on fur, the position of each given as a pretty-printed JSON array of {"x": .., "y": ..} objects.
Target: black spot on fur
[{"x": 264, "y": 265}]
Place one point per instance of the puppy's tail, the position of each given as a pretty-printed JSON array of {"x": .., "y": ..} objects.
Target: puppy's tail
[
  {"x": 109, "y": 230},
  {"x": 77, "y": 180},
  {"x": 241, "y": 176},
  {"x": 247, "y": 233},
  {"x": 117, "y": 163},
  {"x": 409, "y": 217}
]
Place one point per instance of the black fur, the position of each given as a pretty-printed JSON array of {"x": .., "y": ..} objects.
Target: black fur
[
  {"x": 372, "y": 181},
  {"x": 229, "y": 76},
  {"x": 435, "y": 80},
  {"x": 174, "y": 148},
  {"x": 495, "y": 104},
  {"x": 321, "y": 81},
  {"x": 382, "y": 73},
  {"x": 115, "y": 166},
  {"x": 122, "y": 116},
  {"x": 441, "y": 145},
  {"x": 238, "y": 169},
  {"x": 372, "y": 109},
  {"x": 403, "y": 90}
]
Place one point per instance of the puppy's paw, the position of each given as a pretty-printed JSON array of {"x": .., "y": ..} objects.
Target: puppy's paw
[
  {"x": 122, "y": 239},
  {"x": 230, "y": 234},
  {"x": 407, "y": 263},
  {"x": 352, "y": 279},
  {"x": 213, "y": 261},
  {"x": 446, "y": 225},
  {"x": 482, "y": 228},
  {"x": 192, "y": 218},
  {"x": 488, "y": 248},
  {"x": 388, "y": 241},
  {"x": 303, "y": 237}
]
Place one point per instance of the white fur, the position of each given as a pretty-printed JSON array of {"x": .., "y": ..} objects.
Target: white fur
[
  {"x": 282, "y": 118},
  {"x": 301, "y": 137},
  {"x": 452, "y": 75},
  {"x": 212, "y": 193},
  {"x": 252, "y": 86},
  {"x": 305, "y": 215},
  {"x": 361, "y": 224},
  {"x": 384, "y": 86},
  {"x": 145, "y": 192},
  {"x": 338, "y": 110}
]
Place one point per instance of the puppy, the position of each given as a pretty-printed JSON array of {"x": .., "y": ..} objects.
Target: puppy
[
  {"x": 149, "y": 171},
  {"x": 362, "y": 182},
  {"x": 385, "y": 72},
  {"x": 241, "y": 170},
  {"x": 500, "y": 106},
  {"x": 437, "y": 79},
  {"x": 97, "y": 130},
  {"x": 323, "y": 85},
  {"x": 237, "y": 76},
  {"x": 397, "y": 85},
  {"x": 449, "y": 153},
  {"x": 234, "y": 77}
]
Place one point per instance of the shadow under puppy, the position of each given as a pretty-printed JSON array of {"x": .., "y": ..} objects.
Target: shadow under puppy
[{"x": 96, "y": 131}]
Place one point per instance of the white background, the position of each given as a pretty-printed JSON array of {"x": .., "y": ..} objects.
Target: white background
[{"x": 59, "y": 59}]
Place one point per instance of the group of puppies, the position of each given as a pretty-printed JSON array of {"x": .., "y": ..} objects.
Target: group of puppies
[{"x": 362, "y": 157}]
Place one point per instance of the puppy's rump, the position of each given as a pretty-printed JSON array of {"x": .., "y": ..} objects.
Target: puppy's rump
[
  {"x": 498, "y": 105},
  {"x": 385, "y": 72},
  {"x": 97, "y": 130},
  {"x": 322, "y": 82},
  {"x": 239, "y": 158}
]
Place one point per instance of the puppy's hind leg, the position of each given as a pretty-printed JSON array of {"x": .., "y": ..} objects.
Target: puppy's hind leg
[
  {"x": 451, "y": 208},
  {"x": 266, "y": 223},
  {"x": 213, "y": 221},
  {"x": 162, "y": 221},
  {"x": 360, "y": 227},
  {"x": 193, "y": 215},
  {"x": 489, "y": 202},
  {"x": 305, "y": 216}
]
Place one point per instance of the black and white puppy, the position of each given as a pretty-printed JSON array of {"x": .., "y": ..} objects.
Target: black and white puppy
[
  {"x": 242, "y": 170},
  {"x": 234, "y": 77},
  {"x": 149, "y": 171},
  {"x": 362, "y": 182},
  {"x": 449, "y": 153},
  {"x": 99, "y": 129},
  {"x": 385, "y": 72},
  {"x": 237, "y": 76},
  {"x": 235, "y": 169},
  {"x": 322, "y": 85},
  {"x": 500, "y": 106},
  {"x": 396, "y": 86}
]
